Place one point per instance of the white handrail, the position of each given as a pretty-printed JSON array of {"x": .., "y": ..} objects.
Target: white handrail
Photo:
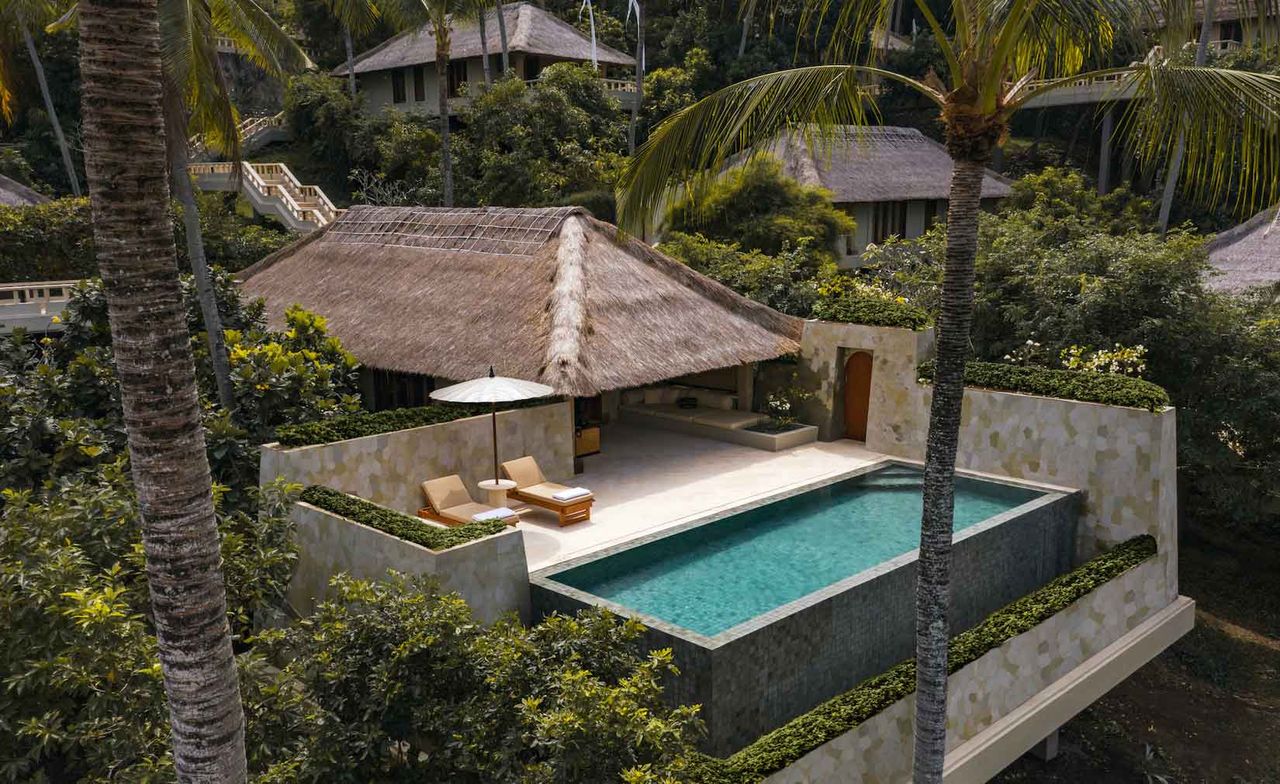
[{"x": 307, "y": 203}]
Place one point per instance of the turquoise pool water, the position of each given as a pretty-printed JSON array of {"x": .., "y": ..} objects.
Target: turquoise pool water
[{"x": 716, "y": 576}]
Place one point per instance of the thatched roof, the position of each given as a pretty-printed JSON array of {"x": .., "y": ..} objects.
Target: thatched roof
[
  {"x": 549, "y": 295},
  {"x": 875, "y": 164},
  {"x": 1247, "y": 255},
  {"x": 530, "y": 29},
  {"x": 15, "y": 194}
]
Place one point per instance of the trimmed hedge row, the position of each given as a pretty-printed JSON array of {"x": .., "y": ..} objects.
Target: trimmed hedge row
[
  {"x": 1084, "y": 385},
  {"x": 778, "y": 749},
  {"x": 399, "y": 525},
  {"x": 341, "y": 428}
]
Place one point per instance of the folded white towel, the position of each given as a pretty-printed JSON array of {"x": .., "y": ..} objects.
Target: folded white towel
[
  {"x": 493, "y": 514},
  {"x": 571, "y": 493}
]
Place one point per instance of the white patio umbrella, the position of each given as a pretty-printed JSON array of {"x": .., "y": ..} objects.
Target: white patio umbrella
[{"x": 493, "y": 390}]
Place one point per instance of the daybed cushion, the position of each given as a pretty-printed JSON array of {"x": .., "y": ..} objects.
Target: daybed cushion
[
  {"x": 729, "y": 420},
  {"x": 446, "y": 492},
  {"x": 670, "y": 411},
  {"x": 466, "y": 512},
  {"x": 711, "y": 398},
  {"x": 547, "y": 491},
  {"x": 524, "y": 471}
]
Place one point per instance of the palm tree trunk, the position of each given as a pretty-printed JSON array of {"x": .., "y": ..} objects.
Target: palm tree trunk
[
  {"x": 442, "y": 95},
  {"x": 200, "y": 271},
  {"x": 746, "y": 27},
  {"x": 933, "y": 583},
  {"x": 502, "y": 36},
  {"x": 351, "y": 60},
  {"x": 48, "y": 106},
  {"x": 635, "y": 109},
  {"x": 484, "y": 49},
  {"x": 125, "y": 161},
  {"x": 1175, "y": 164}
]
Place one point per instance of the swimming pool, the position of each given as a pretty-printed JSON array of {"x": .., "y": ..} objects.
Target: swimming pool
[
  {"x": 716, "y": 576},
  {"x": 772, "y": 609}
]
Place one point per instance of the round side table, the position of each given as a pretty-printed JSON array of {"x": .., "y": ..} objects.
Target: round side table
[{"x": 496, "y": 491}]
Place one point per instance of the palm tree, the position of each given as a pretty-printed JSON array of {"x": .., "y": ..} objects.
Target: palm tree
[
  {"x": 999, "y": 56},
  {"x": 16, "y": 17},
  {"x": 122, "y": 100},
  {"x": 356, "y": 17},
  {"x": 482, "y": 12},
  {"x": 636, "y": 6},
  {"x": 197, "y": 99}
]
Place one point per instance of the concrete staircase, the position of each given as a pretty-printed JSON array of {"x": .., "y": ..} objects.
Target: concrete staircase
[
  {"x": 255, "y": 133},
  {"x": 271, "y": 189}
]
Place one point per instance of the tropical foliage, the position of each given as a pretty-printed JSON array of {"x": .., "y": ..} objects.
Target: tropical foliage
[{"x": 54, "y": 240}]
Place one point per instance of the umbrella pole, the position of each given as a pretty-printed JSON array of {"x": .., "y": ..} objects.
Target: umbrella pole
[{"x": 495, "y": 442}]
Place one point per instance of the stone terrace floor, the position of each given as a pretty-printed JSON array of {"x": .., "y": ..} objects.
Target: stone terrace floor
[{"x": 647, "y": 479}]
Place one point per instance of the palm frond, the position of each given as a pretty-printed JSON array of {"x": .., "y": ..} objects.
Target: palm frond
[
  {"x": 8, "y": 73},
  {"x": 1055, "y": 38},
  {"x": 1228, "y": 120},
  {"x": 189, "y": 52},
  {"x": 358, "y": 16},
  {"x": 258, "y": 36},
  {"x": 701, "y": 138}
]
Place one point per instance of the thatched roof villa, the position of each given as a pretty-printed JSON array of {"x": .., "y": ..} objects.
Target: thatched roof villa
[
  {"x": 550, "y": 295},
  {"x": 893, "y": 181},
  {"x": 401, "y": 71},
  {"x": 1247, "y": 255}
]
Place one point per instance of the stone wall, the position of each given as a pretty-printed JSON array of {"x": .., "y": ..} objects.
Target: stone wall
[
  {"x": 389, "y": 468},
  {"x": 878, "y": 751},
  {"x": 490, "y": 573},
  {"x": 1124, "y": 459}
]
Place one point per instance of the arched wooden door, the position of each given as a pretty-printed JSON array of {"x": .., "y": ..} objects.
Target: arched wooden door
[{"x": 857, "y": 395}]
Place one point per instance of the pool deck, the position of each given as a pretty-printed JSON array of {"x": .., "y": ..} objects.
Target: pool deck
[{"x": 647, "y": 480}]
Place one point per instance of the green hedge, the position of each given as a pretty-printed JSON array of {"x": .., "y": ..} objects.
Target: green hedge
[
  {"x": 49, "y": 241},
  {"x": 844, "y": 298},
  {"x": 1106, "y": 388},
  {"x": 778, "y": 749},
  {"x": 341, "y": 428},
  {"x": 399, "y": 525}
]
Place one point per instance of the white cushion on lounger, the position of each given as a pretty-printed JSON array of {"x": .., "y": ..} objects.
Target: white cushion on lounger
[
  {"x": 571, "y": 494},
  {"x": 501, "y": 513}
]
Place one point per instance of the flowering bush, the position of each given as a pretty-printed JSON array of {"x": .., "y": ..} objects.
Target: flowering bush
[{"x": 1121, "y": 360}]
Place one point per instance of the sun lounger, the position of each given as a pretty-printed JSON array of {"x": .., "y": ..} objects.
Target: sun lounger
[
  {"x": 572, "y": 504},
  {"x": 449, "y": 502}
]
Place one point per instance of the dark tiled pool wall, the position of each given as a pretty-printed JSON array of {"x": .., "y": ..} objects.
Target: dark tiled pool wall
[{"x": 795, "y": 657}]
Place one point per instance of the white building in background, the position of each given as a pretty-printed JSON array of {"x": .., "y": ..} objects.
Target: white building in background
[
  {"x": 400, "y": 72},
  {"x": 893, "y": 181}
]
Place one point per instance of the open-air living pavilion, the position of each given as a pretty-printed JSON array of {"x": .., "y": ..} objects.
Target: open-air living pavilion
[{"x": 640, "y": 343}]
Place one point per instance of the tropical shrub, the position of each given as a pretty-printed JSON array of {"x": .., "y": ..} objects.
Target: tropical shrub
[
  {"x": 847, "y": 298},
  {"x": 54, "y": 240},
  {"x": 83, "y": 696},
  {"x": 394, "y": 681},
  {"x": 760, "y": 208},
  {"x": 529, "y": 145},
  {"x": 788, "y": 282}
]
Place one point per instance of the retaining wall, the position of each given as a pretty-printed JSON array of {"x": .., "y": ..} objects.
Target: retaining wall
[
  {"x": 490, "y": 573},
  {"x": 878, "y": 751},
  {"x": 389, "y": 468}
]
